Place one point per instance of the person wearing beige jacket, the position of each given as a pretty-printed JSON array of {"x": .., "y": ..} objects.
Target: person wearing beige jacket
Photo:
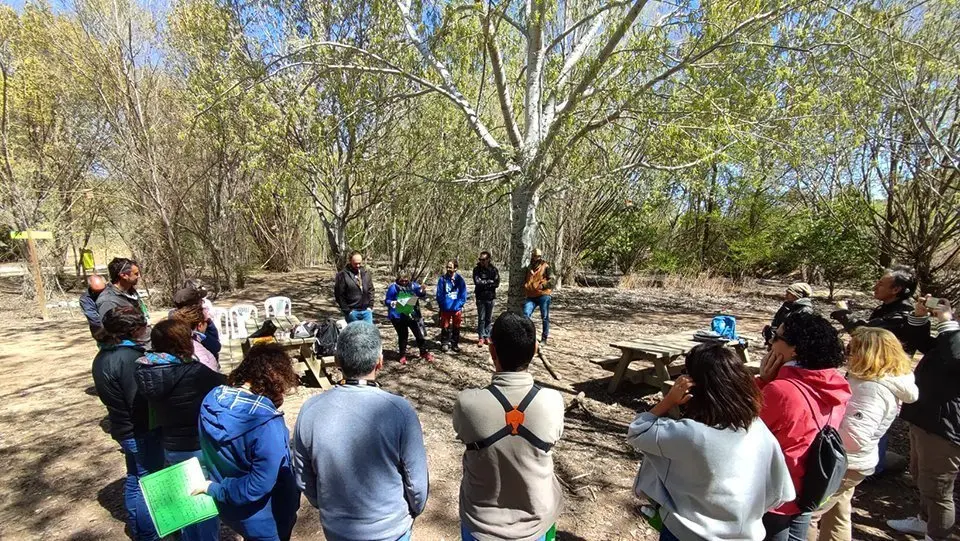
[{"x": 509, "y": 490}]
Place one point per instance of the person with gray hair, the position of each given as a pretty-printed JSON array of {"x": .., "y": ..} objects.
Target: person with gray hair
[
  {"x": 88, "y": 304},
  {"x": 358, "y": 452}
]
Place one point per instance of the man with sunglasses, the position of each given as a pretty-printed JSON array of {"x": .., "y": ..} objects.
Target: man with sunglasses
[
  {"x": 122, "y": 289},
  {"x": 486, "y": 279}
]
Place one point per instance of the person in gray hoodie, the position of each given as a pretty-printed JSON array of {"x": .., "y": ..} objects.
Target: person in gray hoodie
[
  {"x": 881, "y": 378},
  {"x": 717, "y": 470}
]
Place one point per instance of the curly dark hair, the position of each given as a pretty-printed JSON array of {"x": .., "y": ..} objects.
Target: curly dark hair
[
  {"x": 724, "y": 393},
  {"x": 817, "y": 343},
  {"x": 268, "y": 370},
  {"x": 123, "y": 323},
  {"x": 174, "y": 337}
]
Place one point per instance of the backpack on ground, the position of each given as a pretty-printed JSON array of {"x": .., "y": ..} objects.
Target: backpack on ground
[
  {"x": 825, "y": 466},
  {"x": 325, "y": 339},
  {"x": 725, "y": 326}
]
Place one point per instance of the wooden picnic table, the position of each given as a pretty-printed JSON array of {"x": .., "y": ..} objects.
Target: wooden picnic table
[
  {"x": 300, "y": 349},
  {"x": 661, "y": 350}
]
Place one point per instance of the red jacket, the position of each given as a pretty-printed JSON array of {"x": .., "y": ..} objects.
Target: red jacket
[{"x": 788, "y": 416}]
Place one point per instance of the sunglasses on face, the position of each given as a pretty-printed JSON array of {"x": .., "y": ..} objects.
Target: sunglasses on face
[{"x": 777, "y": 336}]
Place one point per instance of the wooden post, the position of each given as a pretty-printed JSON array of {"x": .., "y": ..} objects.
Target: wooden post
[{"x": 37, "y": 275}]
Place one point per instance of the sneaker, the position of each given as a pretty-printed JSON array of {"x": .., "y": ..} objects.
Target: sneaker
[
  {"x": 543, "y": 341},
  {"x": 456, "y": 348},
  {"x": 481, "y": 342},
  {"x": 427, "y": 356},
  {"x": 403, "y": 360},
  {"x": 912, "y": 525},
  {"x": 445, "y": 348}
]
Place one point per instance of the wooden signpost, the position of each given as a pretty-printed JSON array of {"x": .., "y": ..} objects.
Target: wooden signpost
[{"x": 30, "y": 236}]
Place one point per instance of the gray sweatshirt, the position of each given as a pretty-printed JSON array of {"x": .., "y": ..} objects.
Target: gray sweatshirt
[
  {"x": 710, "y": 483},
  {"x": 358, "y": 457}
]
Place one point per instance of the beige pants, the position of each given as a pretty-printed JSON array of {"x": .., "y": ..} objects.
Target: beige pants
[
  {"x": 934, "y": 462},
  {"x": 832, "y": 521}
]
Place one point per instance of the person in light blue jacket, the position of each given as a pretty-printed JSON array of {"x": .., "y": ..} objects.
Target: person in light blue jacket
[
  {"x": 404, "y": 314},
  {"x": 451, "y": 296},
  {"x": 245, "y": 445}
]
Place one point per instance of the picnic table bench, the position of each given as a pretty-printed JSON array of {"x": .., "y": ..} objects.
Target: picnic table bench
[
  {"x": 300, "y": 349},
  {"x": 660, "y": 351}
]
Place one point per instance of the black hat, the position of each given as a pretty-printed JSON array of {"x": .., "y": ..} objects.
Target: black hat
[{"x": 187, "y": 297}]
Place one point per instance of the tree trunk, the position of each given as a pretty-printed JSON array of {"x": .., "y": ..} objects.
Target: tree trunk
[{"x": 523, "y": 234}]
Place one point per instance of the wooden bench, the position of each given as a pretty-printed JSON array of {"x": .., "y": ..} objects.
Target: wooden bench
[{"x": 300, "y": 349}]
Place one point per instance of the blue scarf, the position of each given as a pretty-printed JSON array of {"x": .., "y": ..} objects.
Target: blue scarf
[{"x": 154, "y": 357}]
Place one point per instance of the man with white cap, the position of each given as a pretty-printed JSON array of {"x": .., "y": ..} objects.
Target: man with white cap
[{"x": 796, "y": 300}]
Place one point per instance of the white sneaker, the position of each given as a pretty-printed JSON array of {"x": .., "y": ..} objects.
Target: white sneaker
[{"x": 912, "y": 525}]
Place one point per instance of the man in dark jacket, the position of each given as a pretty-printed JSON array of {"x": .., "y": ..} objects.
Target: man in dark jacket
[
  {"x": 895, "y": 290},
  {"x": 113, "y": 377},
  {"x": 353, "y": 290},
  {"x": 88, "y": 304},
  {"x": 486, "y": 280},
  {"x": 122, "y": 290},
  {"x": 934, "y": 422},
  {"x": 796, "y": 300}
]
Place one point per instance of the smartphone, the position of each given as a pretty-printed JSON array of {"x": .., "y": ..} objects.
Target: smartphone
[{"x": 933, "y": 303}]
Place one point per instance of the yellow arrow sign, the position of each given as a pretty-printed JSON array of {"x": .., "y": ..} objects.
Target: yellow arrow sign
[{"x": 24, "y": 235}]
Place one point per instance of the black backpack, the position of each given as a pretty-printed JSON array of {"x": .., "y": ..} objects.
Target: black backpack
[
  {"x": 325, "y": 341},
  {"x": 825, "y": 466}
]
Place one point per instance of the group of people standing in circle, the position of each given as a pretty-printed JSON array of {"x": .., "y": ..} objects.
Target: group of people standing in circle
[
  {"x": 354, "y": 294},
  {"x": 734, "y": 465}
]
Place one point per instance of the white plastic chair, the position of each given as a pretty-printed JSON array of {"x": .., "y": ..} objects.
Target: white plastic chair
[
  {"x": 277, "y": 306},
  {"x": 238, "y": 317},
  {"x": 221, "y": 320}
]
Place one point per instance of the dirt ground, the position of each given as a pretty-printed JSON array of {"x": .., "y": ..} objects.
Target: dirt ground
[{"x": 63, "y": 475}]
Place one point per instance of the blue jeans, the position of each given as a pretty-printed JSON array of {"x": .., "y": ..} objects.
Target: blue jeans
[
  {"x": 667, "y": 535},
  {"x": 208, "y": 530},
  {"x": 484, "y": 317},
  {"x": 786, "y": 527},
  {"x": 143, "y": 455},
  {"x": 543, "y": 303},
  {"x": 359, "y": 315}
]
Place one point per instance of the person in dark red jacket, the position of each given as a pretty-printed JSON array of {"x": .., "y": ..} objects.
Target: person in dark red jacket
[{"x": 802, "y": 392}]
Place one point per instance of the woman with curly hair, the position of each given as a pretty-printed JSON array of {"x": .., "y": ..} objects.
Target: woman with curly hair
[
  {"x": 802, "y": 392},
  {"x": 244, "y": 442}
]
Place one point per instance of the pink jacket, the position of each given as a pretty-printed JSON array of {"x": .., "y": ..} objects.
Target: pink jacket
[
  {"x": 203, "y": 355},
  {"x": 788, "y": 415}
]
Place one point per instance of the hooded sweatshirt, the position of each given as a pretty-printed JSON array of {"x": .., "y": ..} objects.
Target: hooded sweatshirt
[
  {"x": 795, "y": 417},
  {"x": 244, "y": 442},
  {"x": 174, "y": 390},
  {"x": 451, "y": 292},
  {"x": 870, "y": 412}
]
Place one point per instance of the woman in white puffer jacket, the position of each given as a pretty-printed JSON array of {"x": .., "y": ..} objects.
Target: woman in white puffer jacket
[{"x": 881, "y": 378}]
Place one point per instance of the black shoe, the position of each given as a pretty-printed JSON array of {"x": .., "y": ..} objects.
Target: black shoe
[{"x": 456, "y": 347}]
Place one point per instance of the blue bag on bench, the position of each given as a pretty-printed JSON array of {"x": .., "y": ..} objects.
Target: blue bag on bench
[{"x": 725, "y": 326}]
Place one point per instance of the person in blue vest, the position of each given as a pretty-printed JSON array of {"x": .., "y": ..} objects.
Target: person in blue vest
[
  {"x": 404, "y": 314},
  {"x": 451, "y": 296}
]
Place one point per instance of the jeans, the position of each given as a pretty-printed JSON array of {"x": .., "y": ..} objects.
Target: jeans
[
  {"x": 934, "y": 463},
  {"x": 786, "y": 527},
  {"x": 143, "y": 455},
  {"x": 465, "y": 534},
  {"x": 208, "y": 530},
  {"x": 667, "y": 535},
  {"x": 403, "y": 326},
  {"x": 359, "y": 315},
  {"x": 484, "y": 317},
  {"x": 543, "y": 303}
]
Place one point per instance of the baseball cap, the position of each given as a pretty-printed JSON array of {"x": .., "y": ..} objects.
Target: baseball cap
[{"x": 186, "y": 297}]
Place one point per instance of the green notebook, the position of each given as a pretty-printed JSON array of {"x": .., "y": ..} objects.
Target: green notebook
[
  {"x": 406, "y": 302},
  {"x": 167, "y": 493}
]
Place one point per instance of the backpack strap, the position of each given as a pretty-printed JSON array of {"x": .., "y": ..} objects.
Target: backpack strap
[
  {"x": 813, "y": 412},
  {"x": 514, "y": 418}
]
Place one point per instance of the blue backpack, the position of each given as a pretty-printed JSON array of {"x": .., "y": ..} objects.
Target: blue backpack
[{"x": 725, "y": 326}]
